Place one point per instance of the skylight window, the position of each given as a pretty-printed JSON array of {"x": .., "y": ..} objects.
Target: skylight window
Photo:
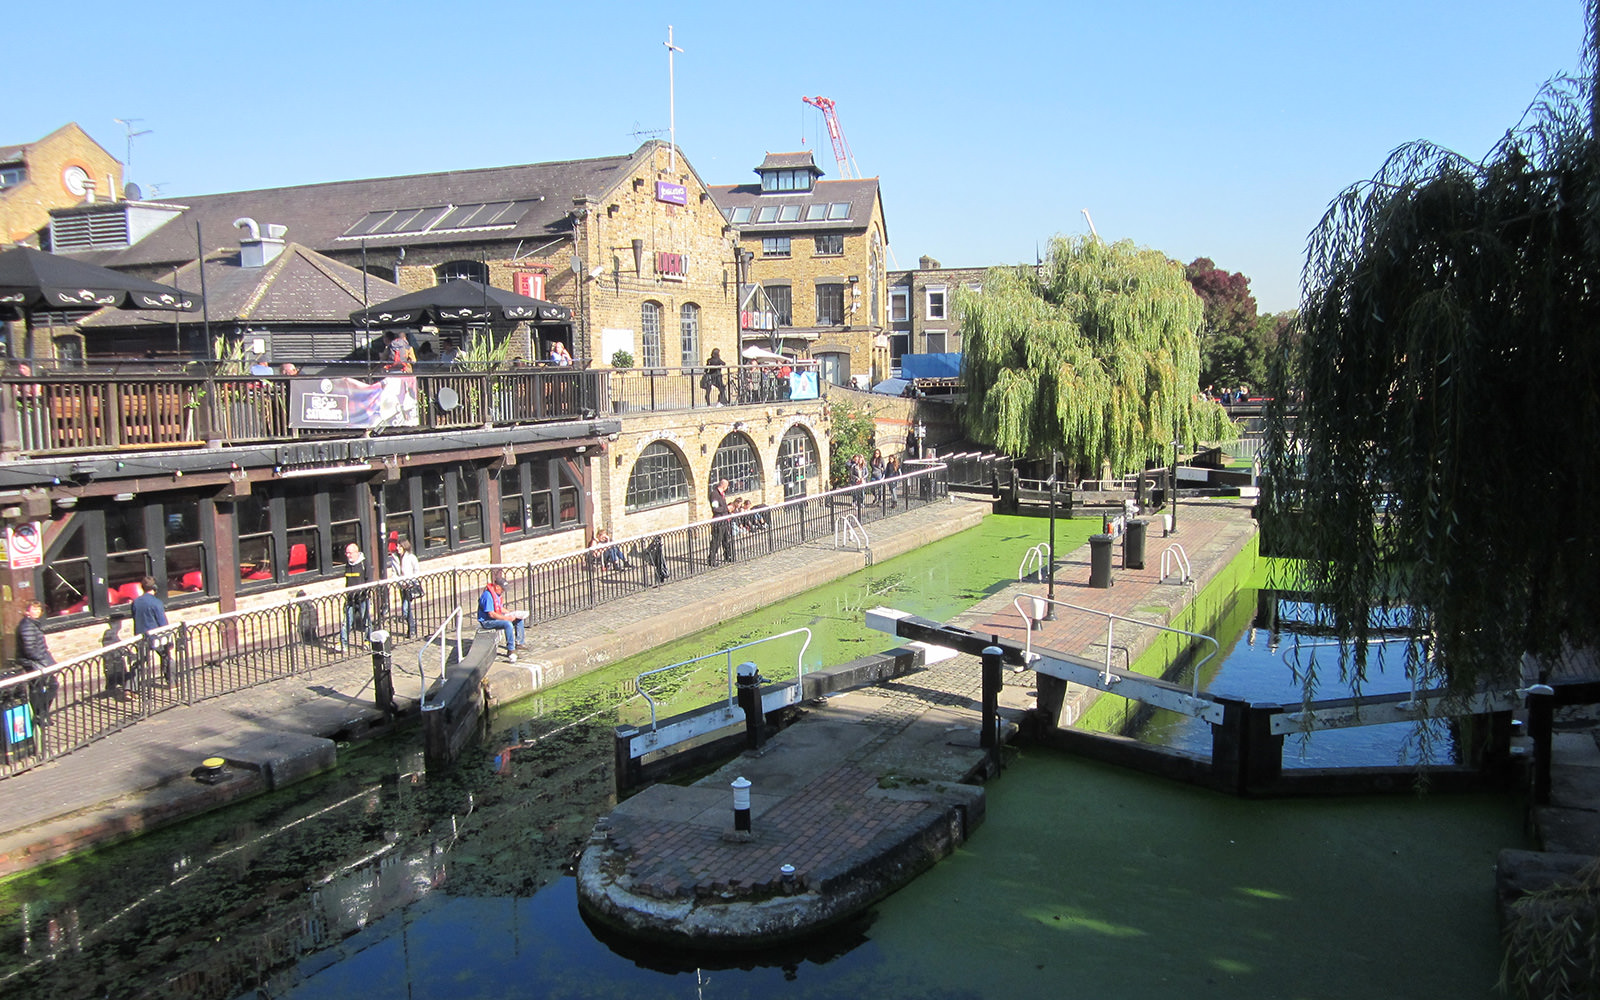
[
  {"x": 767, "y": 213},
  {"x": 839, "y": 210},
  {"x": 817, "y": 212},
  {"x": 789, "y": 213},
  {"x": 741, "y": 215},
  {"x": 479, "y": 215}
]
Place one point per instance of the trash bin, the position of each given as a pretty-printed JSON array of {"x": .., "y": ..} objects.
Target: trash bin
[
  {"x": 1100, "y": 561},
  {"x": 1133, "y": 544}
]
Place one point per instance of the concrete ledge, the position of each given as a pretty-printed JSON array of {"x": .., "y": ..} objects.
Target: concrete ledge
[{"x": 283, "y": 758}]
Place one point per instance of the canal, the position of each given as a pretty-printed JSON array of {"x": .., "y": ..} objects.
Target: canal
[{"x": 382, "y": 880}]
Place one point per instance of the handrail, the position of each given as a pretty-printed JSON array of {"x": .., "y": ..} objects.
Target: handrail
[
  {"x": 800, "y": 667},
  {"x": 1176, "y": 555},
  {"x": 458, "y": 616},
  {"x": 1038, "y": 557},
  {"x": 849, "y": 528},
  {"x": 1111, "y": 619}
]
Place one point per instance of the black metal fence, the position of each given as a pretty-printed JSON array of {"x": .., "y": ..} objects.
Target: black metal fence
[{"x": 54, "y": 712}]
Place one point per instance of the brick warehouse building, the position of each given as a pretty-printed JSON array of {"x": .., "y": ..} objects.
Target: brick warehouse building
[
  {"x": 818, "y": 249},
  {"x": 241, "y": 509},
  {"x": 61, "y": 169}
]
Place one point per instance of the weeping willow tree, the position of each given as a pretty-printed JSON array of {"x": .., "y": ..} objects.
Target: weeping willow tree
[
  {"x": 1094, "y": 355},
  {"x": 1443, "y": 456}
]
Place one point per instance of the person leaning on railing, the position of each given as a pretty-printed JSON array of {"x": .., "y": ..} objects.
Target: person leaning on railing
[{"x": 33, "y": 653}]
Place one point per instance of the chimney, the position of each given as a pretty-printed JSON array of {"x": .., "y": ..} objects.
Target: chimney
[
  {"x": 88, "y": 191},
  {"x": 256, "y": 250},
  {"x": 927, "y": 263}
]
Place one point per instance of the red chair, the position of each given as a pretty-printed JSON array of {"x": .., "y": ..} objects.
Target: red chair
[
  {"x": 193, "y": 581},
  {"x": 125, "y": 593},
  {"x": 299, "y": 561}
]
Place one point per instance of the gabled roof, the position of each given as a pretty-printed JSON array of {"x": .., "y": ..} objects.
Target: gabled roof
[
  {"x": 789, "y": 161},
  {"x": 298, "y": 286},
  {"x": 861, "y": 195},
  {"x": 12, "y": 154},
  {"x": 320, "y": 215}
]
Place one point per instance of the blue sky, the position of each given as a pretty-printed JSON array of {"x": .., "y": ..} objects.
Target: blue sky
[{"x": 1218, "y": 130}]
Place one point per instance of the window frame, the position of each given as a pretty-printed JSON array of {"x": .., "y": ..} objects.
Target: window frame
[
  {"x": 650, "y": 334},
  {"x": 825, "y": 294},
  {"x": 833, "y": 240},
  {"x": 689, "y": 334},
  {"x": 942, "y": 311},
  {"x": 658, "y": 478}
]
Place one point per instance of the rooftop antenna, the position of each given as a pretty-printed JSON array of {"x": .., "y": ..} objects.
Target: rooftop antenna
[
  {"x": 672, "y": 110},
  {"x": 127, "y": 125},
  {"x": 640, "y": 132}
]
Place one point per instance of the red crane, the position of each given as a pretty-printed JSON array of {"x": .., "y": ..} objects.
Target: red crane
[{"x": 841, "y": 145}]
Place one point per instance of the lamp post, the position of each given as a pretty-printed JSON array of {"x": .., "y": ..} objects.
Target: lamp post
[
  {"x": 1050, "y": 570},
  {"x": 922, "y": 432},
  {"x": 1174, "y": 485}
]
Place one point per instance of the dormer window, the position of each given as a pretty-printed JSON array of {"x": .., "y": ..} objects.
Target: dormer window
[{"x": 786, "y": 180}]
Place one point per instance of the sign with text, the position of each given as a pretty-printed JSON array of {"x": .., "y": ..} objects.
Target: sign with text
[
  {"x": 348, "y": 403},
  {"x": 529, "y": 283},
  {"x": 25, "y": 545},
  {"x": 672, "y": 194}
]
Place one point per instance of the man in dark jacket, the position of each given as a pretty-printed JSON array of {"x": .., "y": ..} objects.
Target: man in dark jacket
[
  {"x": 357, "y": 571},
  {"x": 721, "y": 531},
  {"x": 149, "y": 615},
  {"x": 33, "y": 653}
]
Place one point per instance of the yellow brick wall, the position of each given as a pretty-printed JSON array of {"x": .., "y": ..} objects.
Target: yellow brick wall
[{"x": 25, "y": 209}]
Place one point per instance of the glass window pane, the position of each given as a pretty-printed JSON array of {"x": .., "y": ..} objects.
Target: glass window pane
[
  {"x": 737, "y": 462},
  {"x": 789, "y": 213},
  {"x": 839, "y": 210},
  {"x": 657, "y": 479}
]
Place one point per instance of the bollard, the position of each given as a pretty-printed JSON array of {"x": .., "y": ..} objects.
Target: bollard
[
  {"x": 741, "y": 804},
  {"x": 383, "y": 674},
  {"x": 748, "y": 685},
  {"x": 989, "y": 738},
  {"x": 1040, "y": 609},
  {"x": 1100, "y": 561},
  {"x": 1541, "y": 722}
]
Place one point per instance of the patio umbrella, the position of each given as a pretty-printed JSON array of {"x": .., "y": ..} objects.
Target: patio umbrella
[
  {"x": 32, "y": 280},
  {"x": 460, "y": 301}
]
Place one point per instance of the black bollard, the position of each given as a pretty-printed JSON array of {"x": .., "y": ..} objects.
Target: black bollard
[
  {"x": 990, "y": 737},
  {"x": 741, "y": 804},
  {"x": 383, "y": 674},
  {"x": 1541, "y": 723},
  {"x": 748, "y": 688}
]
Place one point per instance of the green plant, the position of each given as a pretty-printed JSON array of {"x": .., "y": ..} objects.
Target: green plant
[
  {"x": 1553, "y": 940},
  {"x": 622, "y": 359},
  {"x": 480, "y": 352},
  {"x": 852, "y": 433},
  {"x": 230, "y": 356}
]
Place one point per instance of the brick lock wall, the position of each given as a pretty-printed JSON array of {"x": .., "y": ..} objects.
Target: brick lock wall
[{"x": 25, "y": 209}]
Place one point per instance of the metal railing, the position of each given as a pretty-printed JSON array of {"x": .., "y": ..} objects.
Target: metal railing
[
  {"x": 439, "y": 637},
  {"x": 1111, "y": 620},
  {"x": 650, "y": 389},
  {"x": 799, "y": 665},
  {"x": 87, "y": 697}
]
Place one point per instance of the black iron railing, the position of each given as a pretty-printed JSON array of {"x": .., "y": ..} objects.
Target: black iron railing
[{"x": 56, "y": 711}]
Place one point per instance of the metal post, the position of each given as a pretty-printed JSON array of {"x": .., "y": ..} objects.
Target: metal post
[
  {"x": 741, "y": 804},
  {"x": 749, "y": 691},
  {"x": 1174, "y": 485},
  {"x": 1541, "y": 721},
  {"x": 989, "y": 738},
  {"x": 382, "y": 674},
  {"x": 1051, "y": 572}
]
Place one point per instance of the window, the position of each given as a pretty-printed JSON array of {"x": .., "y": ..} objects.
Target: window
[
  {"x": 899, "y": 345},
  {"x": 471, "y": 269},
  {"x": 65, "y": 589},
  {"x": 935, "y": 302},
  {"x": 12, "y": 174},
  {"x": 782, "y": 303},
  {"x": 468, "y": 505},
  {"x": 830, "y": 304},
  {"x": 650, "y": 335},
  {"x": 397, "y": 514},
  {"x": 767, "y": 213},
  {"x": 657, "y": 479},
  {"x": 775, "y": 246},
  {"x": 817, "y": 212},
  {"x": 527, "y": 496},
  {"x": 689, "y": 327},
  {"x": 797, "y": 462},
  {"x": 786, "y": 180},
  {"x": 789, "y": 213},
  {"x": 252, "y": 519},
  {"x": 741, "y": 215},
  {"x": 737, "y": 462},
  {"x": 829, "y": 244},
  {"x": 900, "y": 305},
  {"x": 935, "y": 341},
  {"x": 127, "y": 553},
  {"x": 838, "y": 210}
]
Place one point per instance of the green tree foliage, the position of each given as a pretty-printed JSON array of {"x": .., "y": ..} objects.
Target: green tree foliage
[
  {"x": 1444, "y": 451},
  {"x": 1229, "y": 349},
  {"x": 851, "y": 432},
  {"x": 1093, "y": 354}
]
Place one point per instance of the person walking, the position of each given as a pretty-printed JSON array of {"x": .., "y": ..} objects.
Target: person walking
[
  {"x": 357, "y": 598},
  {"x": 33, "y": 653},
  {"x": 149, "y": 614},
  {"x": 404, "y": 567},
  {"x": 492, "y": 613},
  {"x": 891, "y": 472},
  {"x": 721, "y": 529},
  {"x": 713, "y": 379}
]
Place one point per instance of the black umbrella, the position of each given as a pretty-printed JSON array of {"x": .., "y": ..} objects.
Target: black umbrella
[
  {"x": 459, "y": 301},
  {"x": 32, "y": 280}
]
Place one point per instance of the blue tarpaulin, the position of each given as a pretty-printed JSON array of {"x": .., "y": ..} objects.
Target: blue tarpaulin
[{"x": 930, "y": 365}]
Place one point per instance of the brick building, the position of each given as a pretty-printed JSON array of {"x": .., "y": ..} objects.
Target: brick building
[
  {"x": 922, "y": 314},
  {"x": 64, "y": 168},
  {"x": 817, "y": 249}
]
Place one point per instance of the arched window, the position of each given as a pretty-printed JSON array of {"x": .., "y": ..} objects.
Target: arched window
[
  {"x": 475, "y": 270},
  {"x": 689, "y": 323},
  {"x": 650, "y": 335},
  {"x": 736, "y": 461},
  {"x": 797, "y": 462},
  {"x": 657, "y": 479}
]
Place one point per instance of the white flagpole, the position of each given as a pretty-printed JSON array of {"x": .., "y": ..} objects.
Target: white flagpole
[{"x": 672, "y": 110}]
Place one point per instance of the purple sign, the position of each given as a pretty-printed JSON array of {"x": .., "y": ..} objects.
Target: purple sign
[{"x": 673, "y": 194}]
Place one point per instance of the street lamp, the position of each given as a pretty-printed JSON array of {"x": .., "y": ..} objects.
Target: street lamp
[{"x": 1174, "y": 484}]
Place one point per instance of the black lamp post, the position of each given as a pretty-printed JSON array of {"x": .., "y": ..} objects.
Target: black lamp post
[
  {"x": 1174, "y": 485},
  {"x": 1050, "y": 570}
]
